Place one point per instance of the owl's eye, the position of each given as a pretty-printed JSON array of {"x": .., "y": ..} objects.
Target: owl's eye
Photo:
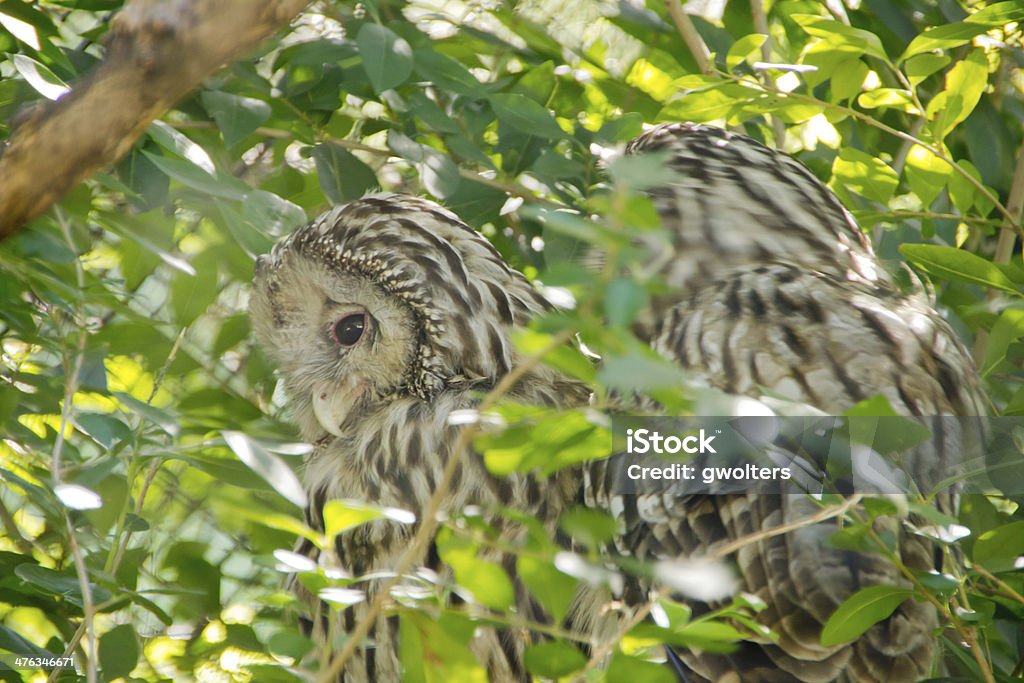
[{"x": 349, "y": 329}]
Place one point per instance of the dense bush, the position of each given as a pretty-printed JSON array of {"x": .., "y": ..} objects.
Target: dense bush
[{"x": 147, "y": 494}]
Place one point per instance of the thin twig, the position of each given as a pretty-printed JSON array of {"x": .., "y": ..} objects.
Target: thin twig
[
  {"x": 761, "y": 26},
  {"x": 966, "y": 633},
  {"x": 688, "y": 32},
  {"x": 1004, "y": 244},
  {"x": 429, "y": 519},
  {"x": 821, "y": 515},
  {"x": 600, "y": 653},
  {"x": 1005, "y": 587},
  {"x": 70, "y": 388}
]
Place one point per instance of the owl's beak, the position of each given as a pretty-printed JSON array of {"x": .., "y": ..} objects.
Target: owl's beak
[{"x": 333, "y": 401}]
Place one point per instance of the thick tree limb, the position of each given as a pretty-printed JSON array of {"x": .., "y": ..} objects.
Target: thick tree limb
[{"x": 157, "y": 51}]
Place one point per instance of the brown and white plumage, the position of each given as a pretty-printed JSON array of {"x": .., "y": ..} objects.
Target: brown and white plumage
[
  {"x": 439, "y": 303},
  {"x": 777, "y": 292},
  {"x": 772, "y": 289}
]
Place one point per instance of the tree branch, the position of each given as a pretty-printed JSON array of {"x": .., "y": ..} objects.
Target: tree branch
[{"x": 157, "y": 52}]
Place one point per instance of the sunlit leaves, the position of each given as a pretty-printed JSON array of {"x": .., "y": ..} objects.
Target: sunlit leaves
[
  {"x": 927, "y": 174},
  {"x": 859, "y": 172},
  {"x": 437, "y": 650},
  {"x": 746, "y": 49},
  {"x": 342, "y": 515},
  {"x": 965, "y": 83},
  {"x": 553, "y": 589},
  {"x": 485, "y": 579},
  {"x": 543, "y": 440},
  {"x": 943, "y": 37},
  {"x": 840, "y": 35}
]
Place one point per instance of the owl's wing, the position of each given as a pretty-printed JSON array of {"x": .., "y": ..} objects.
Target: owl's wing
[{"x": 781, "y": 330}]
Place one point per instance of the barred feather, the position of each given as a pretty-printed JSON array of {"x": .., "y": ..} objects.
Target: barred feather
[{"x": 772, "y": 289}]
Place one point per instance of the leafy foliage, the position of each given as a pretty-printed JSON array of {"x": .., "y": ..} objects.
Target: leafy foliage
[{"x": 149, "y": 497}]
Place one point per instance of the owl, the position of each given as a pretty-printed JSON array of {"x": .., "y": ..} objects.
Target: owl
[{"x": 386, "y": 315}]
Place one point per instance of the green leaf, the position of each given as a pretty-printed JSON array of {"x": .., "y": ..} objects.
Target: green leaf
[
  {"x": 964, "y": 193},
  {"x": 290, "y": 643},
  {"x": 625, "y": 669},
  {"x": 1008, "y": 329},
  {"x": 839, "y": 34},
  {"x": 12, "y": 641},
  {"x": 965, "y": 83},
  {"x": 447, "y": 73},
  {"x": 942, "y": 38},
  {"x": 119, "y": 652},
  {"x": 896, "y": 98},
  {"x": 191, "y": 295},
  {"x": 104, "y": 429},
  {"x": 848, "y": 78},
  {"x": 567, "y": 359},
  {"x": 236, "y": 116},
  {"x": 387, "y": 58},
  {"x": 436, "y": 649},
  {"x": 920, "y": 67},
  {"x": 998, "y": 13},
  {"x": 206, "y": 182},
  {"x": 44, "y": 81},
  {"x": 343, "y": 176},
  {"x": 957, "y": 265},
  {"x": 439, "y": 173},
  {"x": 998, "y": 550},
  {"x": 264, "y": 463},
  {"x": 554, "y": 659},
  {"x": 708, "y": 104},
  {"x": 486, "y": 580},
  {"x": 927, "y": 174},
  {"x": 711, "y": 636},
  {"x": 746, "y": 49},
  {"x": 56, "y": 583},
  {"x": 342, "y": 515},
  {"x": 552, "y": 589},
  {"x": 593, "y": 527},
  {"x": 864, "y": 174},
  {"x": 526, "y": 116},
  {"x": 623, "y": 299},
  {"x": 861, "y": 611},
  {"x": 181, "y": 145}
]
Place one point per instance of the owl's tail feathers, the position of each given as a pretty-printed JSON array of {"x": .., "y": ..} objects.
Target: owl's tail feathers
[{"x": 803, "y": 579}]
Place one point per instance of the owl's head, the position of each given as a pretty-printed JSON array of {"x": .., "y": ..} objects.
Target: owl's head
[{"x": 389, "y": 295}]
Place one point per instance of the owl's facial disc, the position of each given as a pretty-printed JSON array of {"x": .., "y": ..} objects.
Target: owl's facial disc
[{"x": 333, "y": 401}]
